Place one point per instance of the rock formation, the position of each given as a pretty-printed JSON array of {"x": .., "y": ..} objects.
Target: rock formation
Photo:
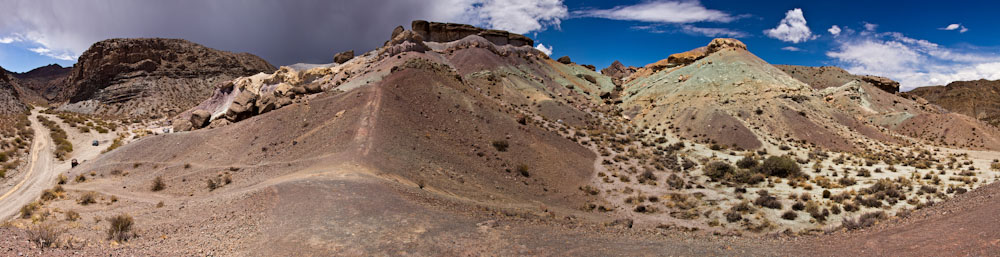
[
  {"x": 564, "y": 60},
  {"x": 978, "y": 99},
  {"x": 618, "y": 71},
  {"x": 882, "y": 82},
  {"x": 44, "y": 83},
  {"x": 10, "y": 102},
  {"x": 151, "y": 77},
  {"x": 447, "y": 32},
  {"x": 688, "y": 57},
  {"x": 343, "y": 57}
]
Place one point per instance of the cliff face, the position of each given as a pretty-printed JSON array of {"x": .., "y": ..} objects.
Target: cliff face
[
  {"x": 150, "y": 76},
  {"x": 447, "y": 32},
  {"x": 979, "y": 99}
]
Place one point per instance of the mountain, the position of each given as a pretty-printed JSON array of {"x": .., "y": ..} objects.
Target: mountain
[
  {"x": 44, "y": 83},
  {"x": 979, "y": 99},
  {"x": 149, "y": 77}
]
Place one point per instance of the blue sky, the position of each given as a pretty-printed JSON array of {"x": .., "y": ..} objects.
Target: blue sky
[{"x": 916, "y": 42}]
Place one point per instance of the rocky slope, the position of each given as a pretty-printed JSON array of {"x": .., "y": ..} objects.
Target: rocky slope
[
  {"x": 44, "y": 83},
  {"x": 979, "y": 99},
  {"x": 150, "y": 77},
  {"x": 874, "y": 100},
  {"x": 10, "y": 100}
]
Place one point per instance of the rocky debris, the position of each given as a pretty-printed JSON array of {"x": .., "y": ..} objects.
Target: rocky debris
[
  {"x": 199, "y": 118},
  {"x": 344, "y": 56},
  {"x": 447, "y": 32},
  {"x": 882, "y": 83},
  {"x": 147, "y": 77},
  {"x": 405, "y": 41},
  {"x": 564, "y": 60},
  {"x": 719, "y": 44},
  {"x": 688, "y": 57},
  {"x": 618, "y": 71},
  {"x": 243, "y": 106},
  {"x": 590, "y": 67}
]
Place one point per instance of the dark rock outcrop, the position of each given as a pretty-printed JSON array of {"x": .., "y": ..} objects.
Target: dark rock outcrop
[
  {"x": 564, "y": 60},
  {"x": 447, "y": 32},
  {"x": 151, "y": 77},
  {"x": 10, "y": 102},
  {"x": 45, "y": 82},
  {"x": 345, "y": 56},
  {"x": 978, "y": 99},
  {"x": 618, "y": 71},
  {"x": 883, "y": 83}
]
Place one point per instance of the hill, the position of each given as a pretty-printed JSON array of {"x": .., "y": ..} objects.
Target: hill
[
  {"x": 979, "y": 99},
  {"x": 149, "y": 77}
]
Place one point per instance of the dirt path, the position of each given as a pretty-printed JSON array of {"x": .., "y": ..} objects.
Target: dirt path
[
  {"x": 39, "y": 176},
  {"x": 43, "y": 168}
]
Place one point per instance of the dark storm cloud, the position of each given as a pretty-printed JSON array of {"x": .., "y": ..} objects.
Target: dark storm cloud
[{"x": 283, "y": 32}]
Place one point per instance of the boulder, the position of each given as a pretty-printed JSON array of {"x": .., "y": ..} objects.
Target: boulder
[
  {"x": 200, "y": 118},
  {"x": 242, "y": 107},
  {"x": 313, "y": 88},
  {"x": 564, "y": 60},
  {"x": 396, "y": 31},
  {"x": 283, "y": 89},
  {"x": 266, "y": 103},
  {"x": 719, "y": 44},
  {"x": 181, "y": 125},
  {"x": 590, "y": 67},
  {"x": 343, "y": 57}
]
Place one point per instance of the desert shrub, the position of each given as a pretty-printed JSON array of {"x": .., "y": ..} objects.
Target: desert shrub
[
  {"x": 61, "y": 180},
  {"x": 675, "y": 182},
  {"x": 871, "y": 202},
  {"x": 523, "y": 170},
  {"x": 88, "y": 198},
  {"x": 500, "y": 145},
  {"x": 28, "y": 209},
  {"x": 717, "y": 170},
  {"x": 44, "y": 235},
  {"x": 826, "y": 194},
  {"x": 733, "y": 216},
  {"x": 851, "y": 207},
  {"x": 72, "y": 215},
  {"x": 764, "y": 199},
  {"x": 845, "y": 181},
  {"x": 213, "y": 183},
  {"x": 780, "y": 166},
  {"x": 789, "y": 215},
  {"x": 120, "y": 228},
  {"x": 747, "y": 162},
  {"x": 927, "y": 189},
  {"x": 48, "y": 195},
  {"x": 158, "y": 184},
  {"x": 865, "y": 220},
  {"x": 647, "y": 177},
  {"x": 798, "y": 206},
  {"x": 81, "y": 178}
]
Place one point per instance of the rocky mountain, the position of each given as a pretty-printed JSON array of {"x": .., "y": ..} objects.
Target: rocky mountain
[
  {"x": 150, "y": 77},
  {"x": 618, "y": 71},
  {"x": 979, "y": 99},
  {"x": 44, "y": 83}
]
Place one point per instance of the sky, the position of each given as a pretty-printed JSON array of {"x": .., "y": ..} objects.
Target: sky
[{"x": 918, "y": 43}]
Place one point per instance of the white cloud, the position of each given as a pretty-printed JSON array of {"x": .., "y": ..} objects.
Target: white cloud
[
  {"x": 913, "y": 62},
  {"x": 712, "y": 32},
  {"x": 834, "y": 30},
  {"x": 545, "y": 49},
  {"x": 519, "y": 16},
  {"x": 956, "y": 26},
  {"x": 792, "y": 28},
  {"x": 660, "y": 11},
  {"x": 791, "y": 49},
  {"x": 870, "y": 26}
]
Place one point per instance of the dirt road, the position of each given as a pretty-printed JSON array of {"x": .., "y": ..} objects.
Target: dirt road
[
  {"x": 39, "y": 176},
  {"x": 43, "y": 168}
]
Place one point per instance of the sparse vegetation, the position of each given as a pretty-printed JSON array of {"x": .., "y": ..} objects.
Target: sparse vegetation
[
  {"x": 780, "y": 166},
  {"x": 500, "y": 145},
  {"x": 120, "y": 228},
  {"x": 864, "y": 221},
  {"x": 158, "y": 184},
  {"x": 88, "y": 198}
]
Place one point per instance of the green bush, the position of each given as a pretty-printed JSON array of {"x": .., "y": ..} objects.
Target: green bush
[
  {"x": 780, "y": 166},
  {"x": 747, "y": 162}
]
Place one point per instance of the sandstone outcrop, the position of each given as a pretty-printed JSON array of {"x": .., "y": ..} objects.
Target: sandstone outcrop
[
  {"x": 199, "y": 118},
  {"x": 719, "y": 44},
  {"x": 617, "y": 70},
  {"x": 688, "y": 57},
  {"x": 883, "y": 83},
  {"x": 564, "y": 60}
]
